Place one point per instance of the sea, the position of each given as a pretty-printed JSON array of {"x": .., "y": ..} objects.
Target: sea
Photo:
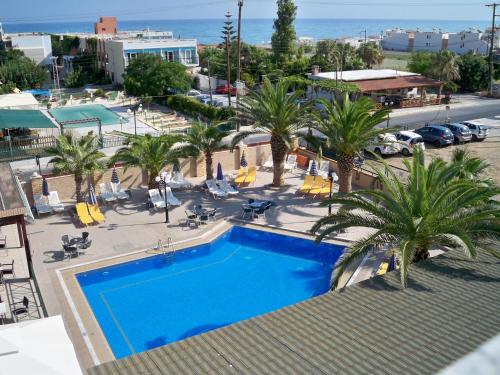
[{"x": 257, "y": 31}]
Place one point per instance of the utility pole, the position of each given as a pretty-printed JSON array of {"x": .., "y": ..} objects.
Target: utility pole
[
  {"x": 492, "y": 44},
  {"x": 364, "y": 31},
  {"x": 238, "y": 72},
  {"x": 209, "y": 81}
]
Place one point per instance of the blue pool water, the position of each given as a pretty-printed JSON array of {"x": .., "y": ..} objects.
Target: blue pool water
[{"x": 151, "y": 302}]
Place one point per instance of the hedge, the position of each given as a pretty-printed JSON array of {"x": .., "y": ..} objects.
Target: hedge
[{"x": 193, "y": 107}]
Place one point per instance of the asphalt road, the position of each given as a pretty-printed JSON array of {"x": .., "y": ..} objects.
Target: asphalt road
[{"x": 414, "y": 120}]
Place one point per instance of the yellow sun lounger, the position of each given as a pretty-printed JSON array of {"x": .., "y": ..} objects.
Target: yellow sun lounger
[
  {"x": 382, "y": 270},
  {"x": 317, "y": 186},
  {"x": 83, "y": 214},
  {"x": 252, "y": 176},
  {"x": 240, "y": 178},
  {"x": 307, "y": 185},
  {"x": 96, "y": 213}
]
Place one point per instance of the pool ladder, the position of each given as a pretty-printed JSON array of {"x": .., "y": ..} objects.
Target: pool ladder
[{"x": 167, "y": 249}]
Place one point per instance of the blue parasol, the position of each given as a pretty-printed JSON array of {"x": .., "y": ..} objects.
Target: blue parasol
[
  {"x": 243, "y": 160},
  {"x": 45, "y": 188},
  {"x": 220, "y": 175},
  {"x": 114, "y": 177},
  {"x": 91, "y": 199},
  {"x": 314, "y": 169}
]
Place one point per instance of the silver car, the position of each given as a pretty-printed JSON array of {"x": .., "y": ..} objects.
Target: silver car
[
  {"x": 479, "y": 131},
  {"x": 461, "y": 133}
]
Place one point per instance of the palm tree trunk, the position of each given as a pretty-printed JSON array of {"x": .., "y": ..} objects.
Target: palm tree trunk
[
  {"x": 420, "y": 254},
  {"x": 152, "y": 184},
  {"x": 209, "y": 166},
  {"x": 346, "y": 166},
  {"x": 78, "y": 187},
  {"x": 279, "y": 150}
]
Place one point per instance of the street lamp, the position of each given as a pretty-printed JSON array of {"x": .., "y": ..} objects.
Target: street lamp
[
  {"x": 134, "y": 110},
  {"x": 332, "y": 176},
  {"x": 162, "y": 186}
]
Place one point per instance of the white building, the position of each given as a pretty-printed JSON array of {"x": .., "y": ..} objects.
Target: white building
[
  {"x": 37, "y": 47},
  {"x": 119, "y": 52},
  {"x": 465, "y": 42},
  {"x": 396, "y": 40}
]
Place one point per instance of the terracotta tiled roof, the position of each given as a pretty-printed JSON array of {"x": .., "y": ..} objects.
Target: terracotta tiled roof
[{"x": 396, "y": 83}]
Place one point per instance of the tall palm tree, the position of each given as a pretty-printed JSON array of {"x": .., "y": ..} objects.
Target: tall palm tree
[
  {"x": 77, "y": 156},
  {"x": 434, "y": 208},
  {"x": 444, "y": 67},
  {"x": 371, "y": 54},
  {"x": 150, "y": 153},
  {"x": 204, "y": 139},
  {"x": 349, "y": 126},
  {"x": 469, "y": 166},
  {"x": 275, "y": 112}
]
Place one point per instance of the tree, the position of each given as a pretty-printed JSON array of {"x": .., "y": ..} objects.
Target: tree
[
  {"x": 150, "y": 153},
  {"x": 468, "y": 166},
  {"x": 434, "y": 208},
  {"x": 77, "y": 156},
  {"x": 273, "y": 111},
  {"x": 204, "y": 139},
  {"x": 326, "y": 55},
  {"x": 444, "y": 66},
  {"x": 75, "y": 78},
  {"x": 18, "y": 70},
  {"x": 420, "y": 62},
  {"x": 283, "y": 39},
  {"x": 349, "y": 126},
  {"x": 473, "y": 71},
  {"x": 228, "y": 38},
  {"x": 149, "y": 75},
  {"x": 371, "y": 54}
]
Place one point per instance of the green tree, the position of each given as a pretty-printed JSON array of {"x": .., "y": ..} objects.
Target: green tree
[
  {"x": 275, "y": 112},
  {"x": 75, "y": 78},
  {"x": 371, "y": 54},
  {"x": 444, "y": 66},
  {"x": 326, "y": 55},
  {"x": 150, "y": 153},
  {"x": 24, "y": 73},
  {"x": 468, "y": 166},
  {"x": 432, "y": 209},
  {"x": 349, "y": 126},
  {"x": 473, "y": 71},
  {"x": 149, "y": 75},
  {"x": 284, "y": 37},
  {"x": 420, "y": 62},
  {"x": 204, "y": 139},
  {"x": 77, "y": 156}
]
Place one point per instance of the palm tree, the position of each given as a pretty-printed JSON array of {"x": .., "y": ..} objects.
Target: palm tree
[
  {"x": 371, "y": 54},
  {"x": 204, "y": 139},
  {"x": 150, "y": 153},
  {"x": 275, "y": 112},
  {"x": 77, "y": 156},
  {"x": 470, "y": 167},
  {"x": 444, "y": 67},
  {"x": 434, "y": 208},
  {"x": 349, "y": 126}
]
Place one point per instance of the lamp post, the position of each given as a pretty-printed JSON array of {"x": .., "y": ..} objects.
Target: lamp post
[
  {"x": 330, "y": 178},
  {"x": 162, "y": 186},
  {"x": 133, "y": 110}
]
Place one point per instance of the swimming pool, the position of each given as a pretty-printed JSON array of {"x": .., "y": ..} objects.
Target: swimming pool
[{"x": 154, "y": 301}]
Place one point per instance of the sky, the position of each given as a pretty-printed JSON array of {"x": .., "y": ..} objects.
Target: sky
[{"x": 88, "y": 10}]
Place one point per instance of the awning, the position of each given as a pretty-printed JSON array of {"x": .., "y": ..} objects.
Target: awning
[
  {"x": 24, "y": 118},
  {"x": 397, "y": 83},
  {"x": 18, "y": 101}
]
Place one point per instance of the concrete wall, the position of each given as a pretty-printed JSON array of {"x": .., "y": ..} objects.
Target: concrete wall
[{"x": 36, "y": 47}]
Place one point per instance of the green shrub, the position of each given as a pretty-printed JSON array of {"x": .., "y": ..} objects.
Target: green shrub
[
  {"x": 100, "y": 93},
  {"x": 194, "y": 108}
]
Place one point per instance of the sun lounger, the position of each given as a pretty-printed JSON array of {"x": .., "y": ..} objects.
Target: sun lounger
[
  {"x": 324, "y": 169},
  {"x": 55, "y": 202},
  {"x": 215, "y": 190},
  {"x": 252, "y": 176},
  {"x": 118, "y": 192},
  {"x": 83, "y": 214},
  {"x": 156, "y": 199},
  {"x": 106, "y": 194},
  {"x": 41, "y": 205},
  {"x": 240, "y": 178},
  {"x": 269, "y": 163},
  {"x": 226, "y": 186},
  {"x": 171, "y": 199},
  {"x": 317, "y": 186},
  {"x": 178, "y": 181},
  {"x": 307, "y": 185},
  {"x": 291, "y": 163},
  {"x": 96, "y": 213},
  {"x": 382, "y": 270}
]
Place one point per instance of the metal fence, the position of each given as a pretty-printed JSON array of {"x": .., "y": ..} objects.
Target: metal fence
[{"x": 25, "y": 148}]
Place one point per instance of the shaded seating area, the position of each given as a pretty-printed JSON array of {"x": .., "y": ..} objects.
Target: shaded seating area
[
  {"x": 72, "y": 246},
  {"x": 199, "y": 215},
  {"x": 255, "y": 208}
]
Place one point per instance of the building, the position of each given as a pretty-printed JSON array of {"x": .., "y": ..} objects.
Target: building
[
  {"x": 119, "y": 52},
  {"x": 106, "y": 25},
  {"x": 471, "y": 40},
  {"x": 18, "y": 101},
  {"x": 37, "y": 47},
  {"x": 386, "y": 87}
]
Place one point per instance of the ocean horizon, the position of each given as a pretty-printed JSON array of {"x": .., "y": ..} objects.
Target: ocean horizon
[{"x": 258, "y": 30}]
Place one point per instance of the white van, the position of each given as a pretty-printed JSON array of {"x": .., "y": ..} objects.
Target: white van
[{"x": 408, "y": 140}]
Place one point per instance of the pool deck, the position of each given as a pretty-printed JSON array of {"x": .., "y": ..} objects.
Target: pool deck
[{"x": 131, "y": 228}]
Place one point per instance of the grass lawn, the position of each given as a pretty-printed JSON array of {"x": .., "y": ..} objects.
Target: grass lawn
[{"x": 395, "y": 60}]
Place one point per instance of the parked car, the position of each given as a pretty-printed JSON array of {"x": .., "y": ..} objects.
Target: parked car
[
  {"x": 224, "y": 90},
  {"x": 479, "y": 131},
  {"x": 408, "y": 140},
  {"x": 204, "y": 98},
  {"x": 436, "y": 134},
  {"x": 193, "y": 93},
  {"x": 461, "y": 133},
  {"x": 384, "y": 144}
]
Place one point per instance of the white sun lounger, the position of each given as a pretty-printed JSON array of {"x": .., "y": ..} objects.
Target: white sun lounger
[
  {"x": 324, "y": 169},
  {"x": 171, "y": 199},
  {"x": 41, "y": 205},
  {"x": 178, "y": 181},
  {"x": 269, "y": 163},
  {"x": 215, "y": 190},
  {"x": 226, "y": 186},
  {"x": 106, "y": 194},
  {"x": 118, "y": 192},
  {"x": 54, "y": 202},
  {"x": 291, "y": 163},
  {"x": 156, "y": 199}
]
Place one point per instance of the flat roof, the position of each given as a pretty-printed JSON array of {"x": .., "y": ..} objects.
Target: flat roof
[
  {"x": 449, "y": 309},
  {"x": 21, "y": 100},
  {"x": 396, "y": 83},
  {"x": 360, "y": 75},
  {"x": 11, "y": 203},
  {"x": 24, "y": 118}
]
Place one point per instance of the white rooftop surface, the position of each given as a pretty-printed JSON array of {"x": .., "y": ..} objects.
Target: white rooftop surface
[
  {"x": 18, "y": 101},
  {"x": 362, "y": 75},
  {"x": 39, "y": 347},
  {"x": 155, "y": 43}
]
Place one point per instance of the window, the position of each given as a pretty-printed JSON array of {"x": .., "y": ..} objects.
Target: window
[
  {"x": 187, "y": 55},
  {"x": 169, "y": 56}
]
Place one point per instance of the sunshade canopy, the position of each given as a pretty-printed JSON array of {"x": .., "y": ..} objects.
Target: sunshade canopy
[
  {"x": 24, "y": 118},
  {"x": 82, "y": 112}
]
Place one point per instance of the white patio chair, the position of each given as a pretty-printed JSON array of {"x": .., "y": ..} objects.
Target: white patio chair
[
  {"x": 118, "y": 192},
  {"x": 180, "y": 181},
  {"x": 226, "y": 186},
  {"x": 309, "y": 167},
  {"x": 106, "y": 194},
  {"x": 171, "y": 199},
  {"x": 324, "y": 169},
  {"x": 291, "y": 163},
  {"x": 269, "y": 162},
  {"x": 156, "y": 199},
  {"x": 54, "y": 202},
  {"x": 41, "y": 205},
  {"x": 215, "y": 190}
]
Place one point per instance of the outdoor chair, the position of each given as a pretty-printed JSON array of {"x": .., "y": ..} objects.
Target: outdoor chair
[
  {"x": 291, "y": 163},
  {"x": 171, "y": 199},
  {"x": 246, "y": 210},
  {"x": 191, "y": 217},
  {"x": 324, "y": 169},
  {"x": 96, "y": 213},
  {"x": 85, "y": 244},
  {"x": 65, "y": 239},
  {"x": 41, "y": 205},
  {"x": 211, "y": 214},
  {"x": 226, "y": 186},
  {"x": 240, "y": 177},
  {"x": 22, "y": 311},
  {"x": 3, "y": 239},
  {"x": 8, "y": 269},
  {"x": 55, "y": 203},
  {"x": 118, "y": 192},
  {"x": 307, "y": 185},
  {"x": 252, "y": 176},
  {"x": 317, "y": 186},
  {"x": 269, "y": 163},
  {"x": 83, "y": 214},
  {"x": 179, "y": 181},
  {"x": 261, "y": 211},
  {"x": 105, "y": 194},
  {"x": 70, "y": 251},
  {"x": 156, "y": 199}
]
